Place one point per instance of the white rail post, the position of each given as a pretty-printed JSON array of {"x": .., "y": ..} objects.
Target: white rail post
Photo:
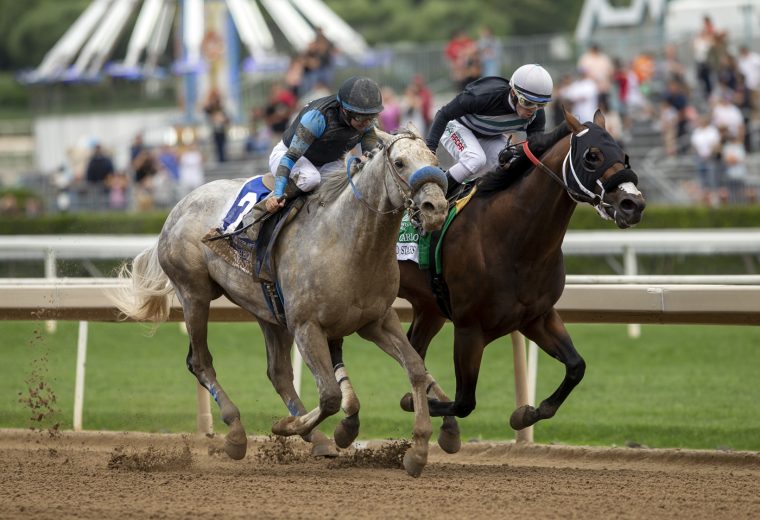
[
  {"x": 205, "y": 421},
  {"x": 521, "y": 382},
  {"x": 631, "y": 269},
  {"x": 79, "y": 378},
  {"x": 50, "y": 272}
]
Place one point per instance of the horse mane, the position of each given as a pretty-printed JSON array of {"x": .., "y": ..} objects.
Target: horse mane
[
  {"x": 500, "y": 179},
  {"x": 334, "y": 182}
]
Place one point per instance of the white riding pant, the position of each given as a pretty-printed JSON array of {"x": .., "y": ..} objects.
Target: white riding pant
[
  {"x": 304, "y": 173},
  {"x": 474, "y": 156}
]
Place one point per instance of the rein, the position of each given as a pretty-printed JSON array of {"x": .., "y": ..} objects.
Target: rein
[{"x": 401, "y": 184}]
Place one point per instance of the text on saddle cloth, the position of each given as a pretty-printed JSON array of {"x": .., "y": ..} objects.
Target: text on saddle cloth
[
  {"x": 253, "y": 191},
  {"x": 415, "y": 246}
]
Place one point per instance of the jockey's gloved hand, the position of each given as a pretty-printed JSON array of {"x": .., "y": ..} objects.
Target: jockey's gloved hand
[
  {"x": 506, "y": 156},
  {"x": 510, "y": 154}
]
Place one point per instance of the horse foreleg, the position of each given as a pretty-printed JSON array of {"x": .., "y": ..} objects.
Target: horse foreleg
[
  {"x": 200, "y": 363},
  {"x": 425, "y": 325},
  {"x": 348, "y": 428},
  {"x": 389, "y": 336},
  {"x": 280, "y": 372},
  {"x": 312, "y": 344},
  {"x": 468, "y": 354},
  {"x": 549, "y": 333}
]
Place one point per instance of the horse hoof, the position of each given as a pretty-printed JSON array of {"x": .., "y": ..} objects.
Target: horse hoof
[
  {"x": 523, "y": 417},
  {"x": 321, "y": 446},
  {"x": 235, "y": 442},
  {"x": 347, "y": 431},
  {"x": 449, "y": 439},
  {"x": 284, "y": 426},
  {"x": 324, "y": 449},
  {"x": 413, "y": 463},
  {"x": 407, "y": 403}
]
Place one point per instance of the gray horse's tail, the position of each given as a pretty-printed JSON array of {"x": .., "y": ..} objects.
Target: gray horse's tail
[{"x": 147, "y": 294}]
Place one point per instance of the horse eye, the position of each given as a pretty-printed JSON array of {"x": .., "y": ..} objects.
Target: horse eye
[
  {"x": 592, "y": 158},
  {"x": 398, "y": 163}
]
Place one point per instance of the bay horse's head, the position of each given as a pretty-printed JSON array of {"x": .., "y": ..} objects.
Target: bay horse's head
[
  {"x": 596, "y": 171},
  {"x": 420, "y": 183}
]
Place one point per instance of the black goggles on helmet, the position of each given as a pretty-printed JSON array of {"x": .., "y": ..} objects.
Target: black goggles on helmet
[{"x": 362, "y": 118}]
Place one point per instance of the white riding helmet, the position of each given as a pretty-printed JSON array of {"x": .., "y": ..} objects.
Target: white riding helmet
[{"x": 532, "y": 82}]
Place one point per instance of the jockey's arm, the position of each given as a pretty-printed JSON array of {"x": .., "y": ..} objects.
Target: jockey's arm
[
  {"x": 452, "y": 110},
  {"x": 310, "y": 128}
]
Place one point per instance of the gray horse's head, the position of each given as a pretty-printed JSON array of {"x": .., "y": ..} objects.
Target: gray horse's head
[{"x": 421, "y": 180}]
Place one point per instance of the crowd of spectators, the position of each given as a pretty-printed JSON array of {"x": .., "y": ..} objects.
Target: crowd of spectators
[
  {"x": 155, "y": 177},
  {"x": 707, "y": 119},
  {"x": 704, "y": 114}
]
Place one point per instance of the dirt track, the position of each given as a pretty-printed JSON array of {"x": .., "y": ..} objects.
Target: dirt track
[{"x": 108, "y": 475}]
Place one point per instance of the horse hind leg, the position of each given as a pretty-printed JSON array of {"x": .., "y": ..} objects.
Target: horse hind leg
[
  {"x": 280, "y": 372},
  {"x": 312, "y": 343},
  {"x": 200, "y": 363},
  {"x": 348, "y": 428},
  {"x": 549, "y": 333}
]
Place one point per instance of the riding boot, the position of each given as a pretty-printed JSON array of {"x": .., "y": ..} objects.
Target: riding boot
[{"x": 259, "y": 214}]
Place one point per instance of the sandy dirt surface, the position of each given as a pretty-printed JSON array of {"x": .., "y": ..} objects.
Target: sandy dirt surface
[{"x": 132, "y": 475}]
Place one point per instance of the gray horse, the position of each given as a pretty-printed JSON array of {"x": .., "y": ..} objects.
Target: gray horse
[{"x": 338, "y": 274}]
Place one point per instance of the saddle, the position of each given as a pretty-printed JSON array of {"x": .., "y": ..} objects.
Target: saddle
[{"x": 254, "y": 257}]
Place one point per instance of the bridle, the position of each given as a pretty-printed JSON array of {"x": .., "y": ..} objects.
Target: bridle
[
  {"x": 407, "y": 189},
  {"x": 570, "y": 175}
]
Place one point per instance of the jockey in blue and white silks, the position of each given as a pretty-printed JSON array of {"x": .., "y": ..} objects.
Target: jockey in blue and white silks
[
  {"x": 473, "y": 126},
  {"x": 322, "y": 133}
]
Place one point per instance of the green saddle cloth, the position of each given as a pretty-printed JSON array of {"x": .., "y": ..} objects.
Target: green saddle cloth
[{"x": 418, "y": 247}]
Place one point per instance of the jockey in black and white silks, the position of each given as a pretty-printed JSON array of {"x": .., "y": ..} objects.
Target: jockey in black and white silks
[
  {"x": 473, "y": 127},
  {"x": 322, "y": 133}
]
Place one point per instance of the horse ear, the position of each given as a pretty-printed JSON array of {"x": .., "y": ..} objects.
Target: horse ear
[
  {"x": 414, "y": 130},
  {"x": 383, "y": 136},
  {"x": 599, "y": 118},
  {"x": 572, "y": 121}
]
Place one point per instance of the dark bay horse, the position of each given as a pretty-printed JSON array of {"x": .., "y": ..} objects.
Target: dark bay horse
[
  {"x": 503, "y": 265},
  {"x": 337, "y": 274}
]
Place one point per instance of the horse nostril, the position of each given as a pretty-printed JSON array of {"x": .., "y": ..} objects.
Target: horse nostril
[
  {"x": 629, "y": 206},
  {"x": 427, "y": 207}
]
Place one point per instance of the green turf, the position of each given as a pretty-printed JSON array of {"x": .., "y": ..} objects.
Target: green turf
[{"x": 676, "y": 386}]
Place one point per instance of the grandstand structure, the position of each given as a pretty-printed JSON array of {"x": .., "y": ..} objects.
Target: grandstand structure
[{"x": 206, "y": 31}]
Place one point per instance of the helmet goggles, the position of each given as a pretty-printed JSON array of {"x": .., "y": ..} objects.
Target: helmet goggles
[
  {"x": 529, "y": 104},
  {"x": 362, "y": 118}
]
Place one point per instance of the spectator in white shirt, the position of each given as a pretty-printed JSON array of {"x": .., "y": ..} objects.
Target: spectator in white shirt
[
  {"x": 583, "y": 94},
  {"x": 705, "y": 139},
  {"x": 748, "y": 63},
  {"x": 728, "y": 118}
]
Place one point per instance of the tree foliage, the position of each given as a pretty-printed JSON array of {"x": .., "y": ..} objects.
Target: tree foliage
[
  {"x": 29, "y": 28},
  {"x": 381, "y": 21}
]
